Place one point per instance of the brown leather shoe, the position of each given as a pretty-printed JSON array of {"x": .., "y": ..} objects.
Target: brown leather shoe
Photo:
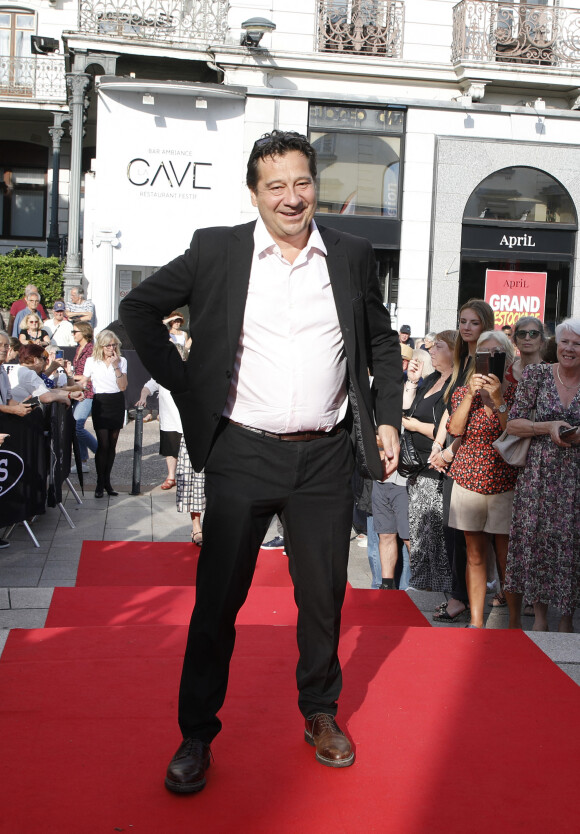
[
  {"x": 186, "y": 771},
  {"x": 333, "y": 749}
]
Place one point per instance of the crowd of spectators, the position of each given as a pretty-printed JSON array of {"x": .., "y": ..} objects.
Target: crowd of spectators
[
  {"x": 466, "y": 520},
  {"x": 33, "y": 370},
  {"x": 462, "y": 522}
]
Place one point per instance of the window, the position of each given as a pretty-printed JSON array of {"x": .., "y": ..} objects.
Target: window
[
  {"x": 359, "y": 153},
  {"x": 520, "y": 194},
  {"x": 15, "y": 31},
  {"x": 23, "y": 190}
]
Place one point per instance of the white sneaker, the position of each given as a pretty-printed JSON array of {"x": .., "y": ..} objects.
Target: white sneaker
[{"x": 84, "y": 468}]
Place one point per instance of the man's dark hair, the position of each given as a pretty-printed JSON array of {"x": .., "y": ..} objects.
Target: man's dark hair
[{"x": 278, "y": 143}]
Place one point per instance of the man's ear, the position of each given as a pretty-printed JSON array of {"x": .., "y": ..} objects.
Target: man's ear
[{"x": 253, "y": 197}]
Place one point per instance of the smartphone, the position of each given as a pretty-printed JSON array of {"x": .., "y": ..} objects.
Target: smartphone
[
  {"x": 33, "y": 401},
  {"x": 59, "y": 354},
  {"x": 566, "y": 433},
  {"x": 482, "y": 362},
  {"x": 497, "y": 364}
]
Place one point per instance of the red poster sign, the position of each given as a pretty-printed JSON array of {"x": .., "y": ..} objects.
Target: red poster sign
[{"x": 512, "y": 295}]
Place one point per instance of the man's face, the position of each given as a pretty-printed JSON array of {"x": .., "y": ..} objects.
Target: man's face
[
  {"x": 32, "y": 302},
  {"x": 74, "y": 296},
  {"x": 403, "y": 337},
  {"x": 58, "y": 314},
  {"x": 4, "y": 345},
  {"x": 285, "y": 196}
]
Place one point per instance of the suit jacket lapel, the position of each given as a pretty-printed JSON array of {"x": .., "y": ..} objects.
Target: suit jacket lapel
[{"x": 240, "y": 255}]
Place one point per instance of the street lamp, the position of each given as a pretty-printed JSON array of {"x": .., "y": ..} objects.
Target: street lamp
[{"x": 254, "y": 28}]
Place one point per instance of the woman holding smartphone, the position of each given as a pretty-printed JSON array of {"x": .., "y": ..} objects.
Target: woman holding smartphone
[
  {"x": 106, "y": 369},
  {"x": 483, "y": 483},
  {"x": 544, "y": 551}
]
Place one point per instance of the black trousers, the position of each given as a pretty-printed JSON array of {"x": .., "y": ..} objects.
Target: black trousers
[{"x": 248, "y": 478}]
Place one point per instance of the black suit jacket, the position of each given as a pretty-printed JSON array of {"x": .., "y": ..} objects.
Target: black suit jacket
[{"x": 212, "y": 278}]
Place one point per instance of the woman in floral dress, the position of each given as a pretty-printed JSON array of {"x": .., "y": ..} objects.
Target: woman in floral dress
[
  {"x": 544, "y": 550},
  {"x": 481, "y": 501}
]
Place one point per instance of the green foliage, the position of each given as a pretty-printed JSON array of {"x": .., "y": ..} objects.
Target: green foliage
[
  {"x": 21, "y": 253},
  {"x": 18, "y": 268}
]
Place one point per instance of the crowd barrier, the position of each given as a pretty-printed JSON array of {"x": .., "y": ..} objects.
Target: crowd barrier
[{"x": 35, "y": 462}]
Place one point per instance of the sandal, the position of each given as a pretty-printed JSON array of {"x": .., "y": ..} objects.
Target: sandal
[
  {"x": 443, "y": 616},
  {"x": 528, "y": 611},
  {"x": 195, "y": 540},
  {"x": 168, "y": 483},
  {"x": 498, "y": 601}
]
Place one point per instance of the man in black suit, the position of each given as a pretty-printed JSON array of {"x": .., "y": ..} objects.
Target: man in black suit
[{"x": 286, "y": 321}]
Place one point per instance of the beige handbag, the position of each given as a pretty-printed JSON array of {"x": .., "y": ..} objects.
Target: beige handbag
[{"x": 513, "y": 449}]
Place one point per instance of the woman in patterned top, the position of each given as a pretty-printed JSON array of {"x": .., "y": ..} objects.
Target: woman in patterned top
[
  {"x": 544, "y": 552},
  {"x": 482, "y": 495}
]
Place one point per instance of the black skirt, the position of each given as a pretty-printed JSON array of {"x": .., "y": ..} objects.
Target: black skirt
[
  {"x": 169, "y": 443},
  {"x": 108, "y": 411}
]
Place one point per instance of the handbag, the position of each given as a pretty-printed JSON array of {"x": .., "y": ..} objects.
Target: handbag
[
  {"x": 513, "y": 449},
  {"x": 410, "y": 463},
  {"x": 410, "y": 460}
]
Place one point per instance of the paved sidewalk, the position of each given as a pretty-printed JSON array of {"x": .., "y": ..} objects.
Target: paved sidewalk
[{"x": 29, "y": 574}]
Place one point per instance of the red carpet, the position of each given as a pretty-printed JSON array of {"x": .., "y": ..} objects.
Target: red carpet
[
  {"x": 161, "y": 563},
  {"x": 454, "y": 729},
  {"x": 166, "y": 605}
]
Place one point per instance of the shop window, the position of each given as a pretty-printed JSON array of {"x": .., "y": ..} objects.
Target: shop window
[
  {"x": 22, "y": 190},
  {"x": 521, "y": 195},
  {"x": 359, "y": 154}
]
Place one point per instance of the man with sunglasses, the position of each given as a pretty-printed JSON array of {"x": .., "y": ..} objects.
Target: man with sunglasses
[{"x": 269, "y": 409}]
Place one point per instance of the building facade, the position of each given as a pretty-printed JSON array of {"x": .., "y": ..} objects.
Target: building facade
[{"x": 447, "y": 133}]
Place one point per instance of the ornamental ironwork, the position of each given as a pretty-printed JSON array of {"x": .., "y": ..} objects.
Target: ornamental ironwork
[
  {"x": 33, "y": 77},
  {"x": 178, "y": 21},
  {"x": 518, "y": 33},
  {"x": 362, "y": 27}
]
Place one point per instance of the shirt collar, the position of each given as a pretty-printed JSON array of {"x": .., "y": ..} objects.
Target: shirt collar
[{"x": 264, "y": 243}]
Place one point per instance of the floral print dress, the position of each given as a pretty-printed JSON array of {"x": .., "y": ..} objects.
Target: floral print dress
[{"x": 543, "y": 559}]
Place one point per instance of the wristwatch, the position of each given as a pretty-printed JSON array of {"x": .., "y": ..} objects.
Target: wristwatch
[{"x": 500, "y": 408}]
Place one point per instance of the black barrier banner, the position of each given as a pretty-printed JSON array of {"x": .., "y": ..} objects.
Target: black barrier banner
[
  {"x": 61, "y": 433},
  {"x": 22, "y": 468}
]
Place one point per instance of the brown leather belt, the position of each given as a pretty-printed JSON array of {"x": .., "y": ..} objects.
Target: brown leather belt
[{"x": 303, "y": 436}]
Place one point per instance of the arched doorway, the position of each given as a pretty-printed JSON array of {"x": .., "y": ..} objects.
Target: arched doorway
[{"x": 520, "y": 220}]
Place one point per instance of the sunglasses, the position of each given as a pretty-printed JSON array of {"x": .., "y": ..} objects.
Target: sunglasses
[
  {"x": 533, "y": 334},
  {"x": 77, "y": 331}
]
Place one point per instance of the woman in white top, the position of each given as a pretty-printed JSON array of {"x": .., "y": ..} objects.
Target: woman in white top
[{"x": 107, "y": 371}]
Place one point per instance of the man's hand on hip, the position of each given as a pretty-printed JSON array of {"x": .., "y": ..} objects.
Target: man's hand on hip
[{"x": 388, "y": 438}]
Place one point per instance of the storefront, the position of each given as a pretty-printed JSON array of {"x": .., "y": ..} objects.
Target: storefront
[
  {"x": 169, "y": 161},
  {"x": 360, "y": 153},
  {"x": 522, "y": 222}
]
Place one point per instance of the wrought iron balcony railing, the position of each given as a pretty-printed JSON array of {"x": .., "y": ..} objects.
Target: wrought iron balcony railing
[
  {"x": 516, "y": 33},
  {"x": 33, "y": 77},
  {"x": 361, "y": 27},
  {"x": 168, "y": 21}
]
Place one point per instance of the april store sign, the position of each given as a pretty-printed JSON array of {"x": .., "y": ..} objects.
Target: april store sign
[{"x": 169, "y": 177}]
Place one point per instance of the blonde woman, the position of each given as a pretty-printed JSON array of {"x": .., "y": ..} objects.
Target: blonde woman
[
  {"x": 106, "y": 369},
  {"x": 31, "y": 332}
]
